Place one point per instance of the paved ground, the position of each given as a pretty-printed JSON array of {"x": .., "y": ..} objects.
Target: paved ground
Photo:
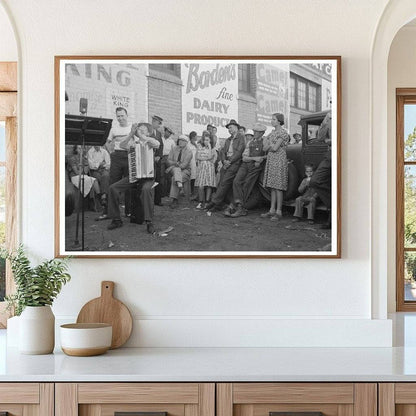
[{"x": 195, "y": 230}]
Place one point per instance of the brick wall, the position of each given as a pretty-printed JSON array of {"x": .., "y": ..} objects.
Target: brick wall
[
  {"x": 165, "y": 100},
  {"x": 247, "y": 103},
  {"x": 246, "y": 111}
]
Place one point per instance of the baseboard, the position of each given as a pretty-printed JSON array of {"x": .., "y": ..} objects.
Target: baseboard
[{"x": 258, "y": 332}]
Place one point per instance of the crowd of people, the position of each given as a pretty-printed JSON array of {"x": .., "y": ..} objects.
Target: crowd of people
[{"x": 205, "y": 169}]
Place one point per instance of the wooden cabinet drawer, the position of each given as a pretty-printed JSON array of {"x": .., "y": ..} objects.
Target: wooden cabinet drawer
[
  {"x": 22, "y": 399},
  {"x": 397, "y": 399},
  {"x": 105, "y": 399},
  {"x": 331, "y": 399}
]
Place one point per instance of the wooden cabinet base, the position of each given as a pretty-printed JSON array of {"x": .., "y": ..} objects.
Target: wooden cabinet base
[
  {"x": 27, "y": 399},
  {"x": 108, "y": 399},
  {"x": 266, "y": 399},
  {"x": 208, "y": 399}
]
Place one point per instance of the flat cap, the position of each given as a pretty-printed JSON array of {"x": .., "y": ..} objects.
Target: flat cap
[
  {"x": 158, "y": 118},
  {"x": 184, "y": 137},
  {"x": 259, "y": 127}
]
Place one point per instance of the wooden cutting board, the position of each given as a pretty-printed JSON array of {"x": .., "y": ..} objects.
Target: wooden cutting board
[{"x": 107, "y": 309}]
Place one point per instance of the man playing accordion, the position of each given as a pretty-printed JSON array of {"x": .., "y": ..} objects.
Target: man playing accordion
[{"x": 139, "y": 134}]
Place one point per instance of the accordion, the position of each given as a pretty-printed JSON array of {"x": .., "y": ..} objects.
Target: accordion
[{"x": 141, "y": 162}]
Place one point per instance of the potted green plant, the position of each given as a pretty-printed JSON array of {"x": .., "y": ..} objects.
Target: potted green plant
[{"x": 36, "y": 289}]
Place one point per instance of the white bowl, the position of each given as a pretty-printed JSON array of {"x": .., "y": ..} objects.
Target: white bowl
[{"x": 83, "y": 340}]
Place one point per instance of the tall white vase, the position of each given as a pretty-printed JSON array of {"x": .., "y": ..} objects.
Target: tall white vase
[{"x": 37, "y": 330}]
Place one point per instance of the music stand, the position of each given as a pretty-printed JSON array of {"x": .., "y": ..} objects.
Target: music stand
[{"x": 85, "y": 131}]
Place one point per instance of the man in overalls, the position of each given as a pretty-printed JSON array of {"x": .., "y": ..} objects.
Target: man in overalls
[{"x": 249, "y": 171}]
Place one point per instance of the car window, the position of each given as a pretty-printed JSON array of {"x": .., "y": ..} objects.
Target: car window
[{"x": 312, "y": 138}]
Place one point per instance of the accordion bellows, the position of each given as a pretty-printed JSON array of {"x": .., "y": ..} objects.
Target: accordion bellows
[{"x": 141, "y": 162}]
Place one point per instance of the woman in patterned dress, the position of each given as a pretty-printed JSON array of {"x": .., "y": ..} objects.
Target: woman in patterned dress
[
  {"x": 276, "y": 171},
  {"x": 205, "y": 178}
]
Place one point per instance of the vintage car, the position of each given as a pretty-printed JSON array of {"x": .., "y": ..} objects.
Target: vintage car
[{"x": 311, "y": 149}]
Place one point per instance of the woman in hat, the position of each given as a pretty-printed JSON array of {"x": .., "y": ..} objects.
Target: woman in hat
[{"x": 276, "y": 171}]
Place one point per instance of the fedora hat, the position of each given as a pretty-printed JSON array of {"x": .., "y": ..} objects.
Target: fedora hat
[{"x": 232, "y": 122}]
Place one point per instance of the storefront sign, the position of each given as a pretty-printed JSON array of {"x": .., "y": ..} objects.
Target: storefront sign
[
  {"x": 272, "y": 92},
  {"x": 106, "y": 87},
  {"x": 324, "y": 68},
  {"x": 209, "y": 96}
]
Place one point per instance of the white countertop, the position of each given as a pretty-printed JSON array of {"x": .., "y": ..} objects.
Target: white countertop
[{"x": 213, "y": 364}]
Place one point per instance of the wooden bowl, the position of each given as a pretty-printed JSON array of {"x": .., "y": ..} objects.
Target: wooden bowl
[{"x": 84, "y": 340}]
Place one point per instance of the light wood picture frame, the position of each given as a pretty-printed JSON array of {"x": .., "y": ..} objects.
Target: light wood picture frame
[{"x": 286, "y": 164}]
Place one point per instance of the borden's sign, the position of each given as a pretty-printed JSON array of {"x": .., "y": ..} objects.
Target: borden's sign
[{"x": 209, "y": 96}]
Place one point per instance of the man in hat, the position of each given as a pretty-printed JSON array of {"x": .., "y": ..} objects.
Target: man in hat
[
  {"x": 156, "y": 124},
  {"x": 168, "y": 144},
  {"x": 179, "y": 162},
  {"x": 230, "y": 157},
  {"x": 139, "y": 134},
  {"x": 297, "y": 138},
  {"x": 249, "y": 171}
]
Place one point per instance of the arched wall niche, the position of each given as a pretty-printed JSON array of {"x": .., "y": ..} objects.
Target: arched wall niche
[{"x": 396, "y": 15}]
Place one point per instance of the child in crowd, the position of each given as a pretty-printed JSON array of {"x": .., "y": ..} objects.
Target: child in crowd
[
  {"x": 205, "y": 178},
  {"x": 308, "y": 196}
]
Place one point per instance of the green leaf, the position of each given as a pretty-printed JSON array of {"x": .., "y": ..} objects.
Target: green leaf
[{"x": 35, "y": 286}]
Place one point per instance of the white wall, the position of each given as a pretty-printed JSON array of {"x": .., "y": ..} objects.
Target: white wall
[
  {"x": 8, "y": 46},
  {"x": 401, "y": 74},
  {"x": 179, "y": 302}
]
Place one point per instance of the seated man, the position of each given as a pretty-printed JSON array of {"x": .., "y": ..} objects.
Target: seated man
[
  {"x": 230, "y": 157},
  {"x": 249, "y": 171},
  {"x": 138, "y": 134},
  {"x": 179, "y": 162},
  {"x": 99, "y": 164},
  {"x": 79, "y": 173}
]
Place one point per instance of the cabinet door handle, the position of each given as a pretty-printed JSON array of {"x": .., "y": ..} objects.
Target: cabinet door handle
[
  {"x": 138, "y": 414},
  {"x": 296, "y": 414}
]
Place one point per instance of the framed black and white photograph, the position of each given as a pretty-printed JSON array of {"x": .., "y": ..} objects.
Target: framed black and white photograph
[{"x": 198, "y": 156}]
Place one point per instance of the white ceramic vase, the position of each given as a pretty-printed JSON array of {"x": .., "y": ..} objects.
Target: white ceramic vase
[{"x": 37, "y": 330}]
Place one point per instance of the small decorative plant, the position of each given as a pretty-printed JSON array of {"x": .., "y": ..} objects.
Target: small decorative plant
[{"x": 35, "y": 286}]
